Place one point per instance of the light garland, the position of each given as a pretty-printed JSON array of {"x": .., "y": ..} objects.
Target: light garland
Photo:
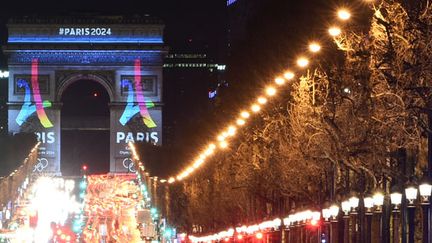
[
  {"x": 226, "y": 134},
  {"x": 302, "y": 218},
  {"x": 23, "y": 164},
  {"x": 166, "y": 232},
  {"x": 299, "y": 218},
  {"x": 222, "y": 140}
]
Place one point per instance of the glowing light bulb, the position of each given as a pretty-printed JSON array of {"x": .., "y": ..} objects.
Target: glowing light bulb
[
  {"x": 344, "y": 14},
  {"x": 245, "y": 114},
  {"x": 302, "y": 62},
  {"x": 240, "y": 122},
  {"x": 220, "y": 138},
  {"x": 208, "y": 152},
  {"x": 255, "y": 108},
  {"x": 231, "y": 131},
  {"x": 223, "y": 144},
  {"x": 212, "y": 146},
  {"x": 314, "y": 47},
  {"x": 279, "y": 81},
  {"x": 259, "y": 235},
  {"x": 171, "y": 180},
  {"x": 334, "y": 31},
  {"x": 196, "y": 165},
  {"x": 271, "y": 91},
  {"x": 262, "y": 100},
  {"x": 289, "y": 75}
]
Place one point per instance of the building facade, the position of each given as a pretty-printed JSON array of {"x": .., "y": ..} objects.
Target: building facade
[{"x": 124, "y": 55}]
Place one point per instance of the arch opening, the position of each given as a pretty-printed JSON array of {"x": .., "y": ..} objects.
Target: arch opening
[{"x": 85, "y": 124}]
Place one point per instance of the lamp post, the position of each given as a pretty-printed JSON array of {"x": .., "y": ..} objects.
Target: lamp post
[
  {"x": 396, "y": 201},
  {"x": 368, "y": 204},
  {"x": 334, "y": 212},
  {"x": 326, "y": 216},
  {"x": 425, "y": 189},
  {"x": 378, "y": 199},
  {"x": 354, "y": 203},
  {"x": 346, "y": 208},
  {"x": 411, "y": 196}
]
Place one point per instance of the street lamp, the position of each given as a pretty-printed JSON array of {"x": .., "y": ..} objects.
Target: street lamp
[
  {"x": 326, "y": 216},
  {"x": 396, "y": 200},
  {"x": 334, "y": 212},
  {"x": 354, "y": 202},
  {"x": 346, "y": 208},
  {"x": 425, "y": 189},
  {"x": 378, "y": 199},
  {"x": 368, "y": 204},
  {"x": 411, "y": 196}
]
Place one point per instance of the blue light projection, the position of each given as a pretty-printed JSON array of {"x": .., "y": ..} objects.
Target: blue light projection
[{"x": 50, "y": 39}]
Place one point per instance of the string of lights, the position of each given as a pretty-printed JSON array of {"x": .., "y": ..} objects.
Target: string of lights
[
  {"x": 373, "y": 204},
  {"x": 257, "y": 230},
  {"x": 26, "y": 160},
  {"x": 307, "y": 217},
  {"x": 222, "y": 140},
  {"x": 166, "y": 231}
]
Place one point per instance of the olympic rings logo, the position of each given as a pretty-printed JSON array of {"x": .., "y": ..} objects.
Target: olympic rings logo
[
  {"x": 41, "y": 165},
  {"x": 128, "y": 164}
]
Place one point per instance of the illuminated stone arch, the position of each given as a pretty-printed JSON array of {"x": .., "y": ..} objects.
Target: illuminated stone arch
[
  {"x": 60, "y": 59},
  {"x": 69, "y": 80}
]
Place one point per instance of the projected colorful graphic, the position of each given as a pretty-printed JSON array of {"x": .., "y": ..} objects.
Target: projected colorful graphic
[
  {"x": 29, "y": 107},
  {"x": 141, "y": 105}
]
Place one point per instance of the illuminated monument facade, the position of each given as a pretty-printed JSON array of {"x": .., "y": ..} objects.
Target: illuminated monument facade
[{"x": 46, "y": 56}]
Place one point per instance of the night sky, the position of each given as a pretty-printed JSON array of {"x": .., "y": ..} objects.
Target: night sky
[{"x": 272, "y": 36}]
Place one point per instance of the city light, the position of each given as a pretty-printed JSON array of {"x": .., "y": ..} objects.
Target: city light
[
  {"x": 314, "y": 47},
  {"x": 262, "y": 100},
  {"x": 302, "y": 62},
  {"x": 270, "y": 91},
  {"x": 334, "y": 31},
  {"x": 279, "y": 81},
  {"x": 52, "y": 200},
  {"x": 344, "y": 14},
  {"x": 255, "y": 108},
  {"x": 231, "y": 131},
  {"x": 221, "y": 139},
  {"x": 4, "y": 74},
  {"x": 289, "y": 75},
  {"x": 223, "y": 144},
  {"x": 240, "y": 122},
  {"x": 245, "y": 114}
]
